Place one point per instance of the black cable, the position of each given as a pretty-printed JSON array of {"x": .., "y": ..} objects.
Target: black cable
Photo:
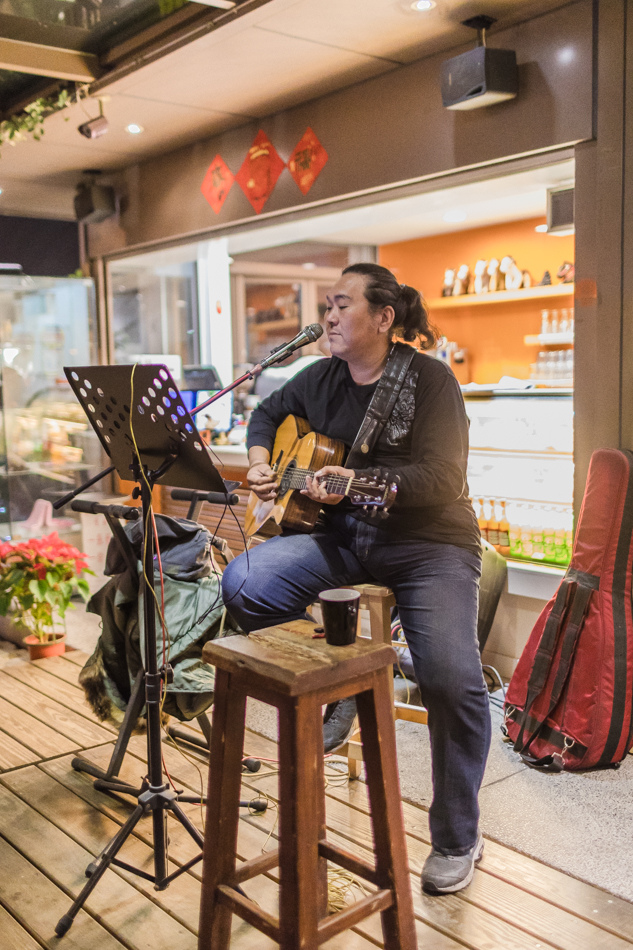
[{"x": 248, "y": 565}]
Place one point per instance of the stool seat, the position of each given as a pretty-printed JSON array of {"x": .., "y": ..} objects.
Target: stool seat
[
  {"x": 286, "y": 667},
  {"x": 290, "y": 657}
]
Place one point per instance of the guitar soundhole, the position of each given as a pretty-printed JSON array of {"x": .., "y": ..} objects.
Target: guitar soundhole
[{"x": 286, "y": 478}]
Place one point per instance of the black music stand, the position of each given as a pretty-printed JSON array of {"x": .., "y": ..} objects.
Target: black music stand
[{"x": 145, "y": 429}]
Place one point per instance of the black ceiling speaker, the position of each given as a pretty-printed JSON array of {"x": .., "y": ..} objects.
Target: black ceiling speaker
[
  {"x": 482, "y": 76},
  {"x": 94, "y": 203}
]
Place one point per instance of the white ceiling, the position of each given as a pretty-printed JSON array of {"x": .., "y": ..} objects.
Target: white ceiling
[{"x": 284, "y": 53}]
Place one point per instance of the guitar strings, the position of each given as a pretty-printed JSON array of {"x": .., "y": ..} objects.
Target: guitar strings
[{"x": 332, "y": 481}]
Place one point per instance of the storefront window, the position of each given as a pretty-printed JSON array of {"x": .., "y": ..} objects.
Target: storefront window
[
  {"x": 47, "y": 446},
  {"x": 155, "y": 311}
]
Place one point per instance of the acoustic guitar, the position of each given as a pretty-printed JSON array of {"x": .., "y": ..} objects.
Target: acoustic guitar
[{"x": 298, "y": 453}]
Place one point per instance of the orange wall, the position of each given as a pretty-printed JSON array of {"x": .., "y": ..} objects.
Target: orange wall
[{"x": 493, "y": 333}]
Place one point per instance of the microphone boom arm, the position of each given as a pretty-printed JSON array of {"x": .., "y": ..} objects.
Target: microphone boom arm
[{"x": 309, "y": 334}]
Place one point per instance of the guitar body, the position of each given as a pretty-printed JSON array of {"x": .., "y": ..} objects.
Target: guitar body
[{"x": 296, "y": 447}]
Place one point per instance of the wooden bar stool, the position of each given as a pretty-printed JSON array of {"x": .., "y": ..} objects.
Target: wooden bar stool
[
  {"x": 378, "y": 601},
  {"x": 286, "y": 668}
]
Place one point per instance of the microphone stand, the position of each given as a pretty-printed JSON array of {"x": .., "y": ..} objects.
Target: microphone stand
[
  {"x": 277, "y": 355},
  {"x": 255, "y": 371}
]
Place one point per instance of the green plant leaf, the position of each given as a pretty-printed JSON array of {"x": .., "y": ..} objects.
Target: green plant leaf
[{"x": 84, "y": 588}]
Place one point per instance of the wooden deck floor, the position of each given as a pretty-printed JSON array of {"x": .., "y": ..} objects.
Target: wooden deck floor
[{"x": 52, "y": 821}]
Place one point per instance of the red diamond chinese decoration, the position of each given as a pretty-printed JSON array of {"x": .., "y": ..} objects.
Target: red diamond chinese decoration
[
  {"x": 260, "y": 170},
  {"x": 307, "y": 161},
  {"x": 217, "y": 183}
]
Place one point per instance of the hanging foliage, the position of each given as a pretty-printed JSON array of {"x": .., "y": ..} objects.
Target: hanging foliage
[{"x": 31, "y": 120}]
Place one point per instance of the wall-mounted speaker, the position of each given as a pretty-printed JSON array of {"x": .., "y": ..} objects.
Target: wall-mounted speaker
[
  {"x": 560, "y": 210},
  {"x": 481, "y": 77},
  {"x": 94, "y": 203}
]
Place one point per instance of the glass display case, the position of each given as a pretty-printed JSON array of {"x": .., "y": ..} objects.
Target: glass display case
[
  {"x": 521, "y": 471},
  {"x": 47, "y": 446}
]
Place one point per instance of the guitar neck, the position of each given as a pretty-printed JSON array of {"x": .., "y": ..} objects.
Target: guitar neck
[{"x": 335, "y": 484}]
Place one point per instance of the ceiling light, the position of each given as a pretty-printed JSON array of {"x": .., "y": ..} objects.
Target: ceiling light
[
  {"x": 541, "y": 228},
  {"x": 1, "y": 190},
  {"x": 309, "y": 265},
  {"x": 421, "y": 6},
  {"x": 454, "y": 216},
  {"x": 134, "y": 129}
]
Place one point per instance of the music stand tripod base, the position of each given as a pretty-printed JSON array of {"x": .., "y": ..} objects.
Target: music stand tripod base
[{"x": 144, "y": 427}]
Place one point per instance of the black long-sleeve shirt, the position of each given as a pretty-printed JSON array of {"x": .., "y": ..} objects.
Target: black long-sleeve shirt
[{"x": 425, "y": 441}]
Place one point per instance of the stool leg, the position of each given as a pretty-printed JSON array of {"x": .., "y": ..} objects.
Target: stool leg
[
  {"x": 223, "y": 795},
  {"x": 379, "y": 752},
  {"x": 300, "y": 823},
  {"x": 322, "y": 889}
]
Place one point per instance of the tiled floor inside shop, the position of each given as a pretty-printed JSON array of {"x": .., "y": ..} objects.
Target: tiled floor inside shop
[{"x": 52, "y": 821}]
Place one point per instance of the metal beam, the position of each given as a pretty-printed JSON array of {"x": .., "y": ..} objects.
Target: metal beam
[{"x": 37, "y": 60}]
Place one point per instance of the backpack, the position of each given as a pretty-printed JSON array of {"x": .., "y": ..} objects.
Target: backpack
[{"x": 569, "y": 702}]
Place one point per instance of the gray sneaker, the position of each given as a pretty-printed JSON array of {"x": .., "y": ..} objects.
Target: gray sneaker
[
  {"x": 338, "y": 723},
  {"x": 446, "y": 873}
]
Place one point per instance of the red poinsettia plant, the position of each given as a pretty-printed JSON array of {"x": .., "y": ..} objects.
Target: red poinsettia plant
[{"x": 38, "y": 578}]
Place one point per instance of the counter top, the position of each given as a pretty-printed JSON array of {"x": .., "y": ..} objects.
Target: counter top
[
  {"x": 234, "y": 455},
  {"x": 534, "y": 580}
]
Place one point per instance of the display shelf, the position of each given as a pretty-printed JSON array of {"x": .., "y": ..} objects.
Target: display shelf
[
  {"x": 530, "y": 579},
  {"x": 540, "y": 455},
  {"x": 549, "y": 339},
  {"x": 501, "y": 296},
  {"x": 486, "y": 392}
]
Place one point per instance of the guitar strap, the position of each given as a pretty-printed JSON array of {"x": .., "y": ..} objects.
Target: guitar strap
[{"x": 382, "y": 403}]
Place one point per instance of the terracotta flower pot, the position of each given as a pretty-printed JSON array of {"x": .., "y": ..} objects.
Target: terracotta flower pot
[{"x": 38, "y": 649}]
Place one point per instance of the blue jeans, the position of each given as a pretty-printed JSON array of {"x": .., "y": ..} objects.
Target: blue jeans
[{"x": 436, "y": 588}]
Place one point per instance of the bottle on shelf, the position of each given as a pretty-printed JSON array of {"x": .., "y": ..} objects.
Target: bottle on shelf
[
  {"x": 515, "y": 530},
  {"x": 563, "y": 325},
  {"x": 538, "y": 544},
  {"x": 504, "y": 530},
  {"x": 569, "y": 532},
  {"x": 549, "y": 546},
  {"x": 541, "y": 365},
  {"x": 560, "y": 545},
  {"x": 551, "y": 365},
  {"x": 545, "y": 328},
  {"x": 553, "y": 323},
  {"x": 525, "y": 528},
  {"x": 569, "y": 365},
  {"x": 482, "y": 521},
  {"x": 493, "y": 526}
]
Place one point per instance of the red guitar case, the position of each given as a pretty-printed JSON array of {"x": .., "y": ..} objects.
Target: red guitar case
[{"x": 569, "y": 702}]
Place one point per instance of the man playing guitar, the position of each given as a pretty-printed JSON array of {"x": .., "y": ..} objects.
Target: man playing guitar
[{"x": 427, "y": 550}]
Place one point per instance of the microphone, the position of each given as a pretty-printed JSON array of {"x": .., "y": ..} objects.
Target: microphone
[{"x": 309, "y": 334}]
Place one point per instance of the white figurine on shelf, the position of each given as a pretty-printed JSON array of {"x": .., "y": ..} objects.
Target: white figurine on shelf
[
  {"x": 449, "y": 280},
  {"x": 481, "y": 282},
  {"x": 493, "y": 275},
  {"x": 512, "y": 273},
  {"x": 462, "y": 281}
]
